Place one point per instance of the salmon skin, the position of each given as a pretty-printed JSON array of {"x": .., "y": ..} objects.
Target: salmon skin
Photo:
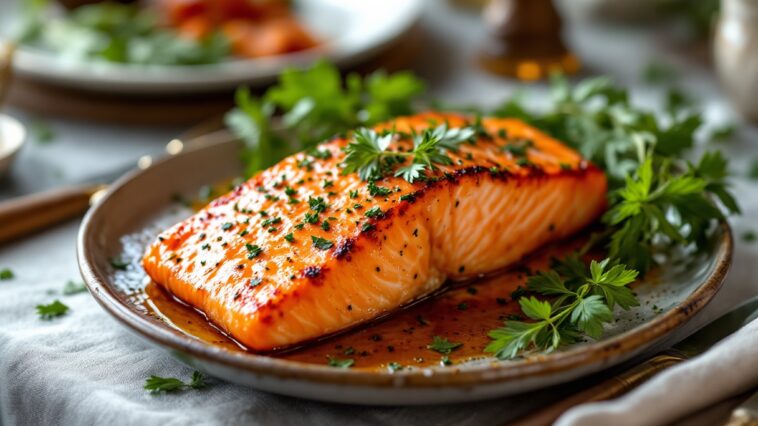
[{"x": 301, "y": 250}]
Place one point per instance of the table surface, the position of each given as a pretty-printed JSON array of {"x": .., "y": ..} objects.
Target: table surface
[{"x": 82, "y": 150}]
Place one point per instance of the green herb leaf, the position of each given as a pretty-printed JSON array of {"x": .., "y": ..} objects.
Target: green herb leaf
[
  {"x": 73, "y": 287},
  {"x": 443, "y": 346},
  {"x": 339, "y": 363},
  {"x": 321, "y": 243},
  {"x": 6, "y": 274},
  {"x": 156, "y": 384},
  {"x": 52, "y": 310}
]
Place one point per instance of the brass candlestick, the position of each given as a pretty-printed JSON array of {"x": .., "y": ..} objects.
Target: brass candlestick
[{"x": 525, "y": 40}]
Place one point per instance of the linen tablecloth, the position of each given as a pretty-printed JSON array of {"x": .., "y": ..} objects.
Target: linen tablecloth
[{"x": 84, "y": 368}]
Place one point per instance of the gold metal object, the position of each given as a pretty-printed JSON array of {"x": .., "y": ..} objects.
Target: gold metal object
[
  {"x": 525, "y": 40},
  {"x": 6, "y": 68},
  {"x": 742, "y": 417},
  {"x": 22, "y": 216}
]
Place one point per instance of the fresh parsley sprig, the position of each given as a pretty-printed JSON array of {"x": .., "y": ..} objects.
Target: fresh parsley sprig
[
  {"x": 315, "y": 104},
  {"x": 578, "y": 307},
  {"x": 52, "y": 310},
  {"x": 657, "y": 201},
  {"x": 368, "y": 153}
]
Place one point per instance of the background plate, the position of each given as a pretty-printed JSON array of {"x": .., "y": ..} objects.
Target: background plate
[
  {"x": 139, "y": 202},
  {"x": 352, "y": 31}
]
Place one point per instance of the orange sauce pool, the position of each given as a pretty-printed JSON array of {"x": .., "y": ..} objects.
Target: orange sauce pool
[{"x": 463, "y": 314}]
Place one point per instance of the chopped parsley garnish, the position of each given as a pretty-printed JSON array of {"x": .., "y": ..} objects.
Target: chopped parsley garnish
[
  {"x": 271, "y": 221},
  {"x": 52, "y": 310},
  {"x": 300, "y": 226},
  {"x": 290, "y": 191},
  {"x": 253, "y": 251},
  {"x": 325, "y": 225},
  {"x": 339, "y": 363},
  {"x": 321, "y": 243},
  {"x": 379, "y": 191},
  {"x": 118, "y": 264},
  {"x": 407, "y": 197},
  {"x": 354, "y": 194},
  {"x": 394, "y": 366},
  {"x": 367, "y": 227},
  {"x": 524, "y": 162},
  {"x": 310, "y": 217},
  {"x": 518, "y": 149},
  {"x": 327, "y": 183},
  {"x": 156, "y": 384},
  {"x": 321, "y": 154},
  {"x": 227, "y": 226},
  {"x": 317, "y": 204},
  {"x": 6, "y": 274},
  {"x": 255, "y": 282},
  {"x": 289, "y": 237},
  {"x": 443, "y": 346},
  {"x": 73, "y": 287},
  {"x": 374, "y": 212}
]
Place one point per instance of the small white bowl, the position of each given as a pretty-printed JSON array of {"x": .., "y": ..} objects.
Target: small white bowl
[{"x": 12, "y": 138}]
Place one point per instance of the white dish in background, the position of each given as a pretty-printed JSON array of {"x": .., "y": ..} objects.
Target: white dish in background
[
  {"x": 12, "y": 137},
  {"x": 351, "y": 31}
]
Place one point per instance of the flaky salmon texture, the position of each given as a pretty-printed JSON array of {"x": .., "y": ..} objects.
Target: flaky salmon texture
[{"x": 302, "y": 250}]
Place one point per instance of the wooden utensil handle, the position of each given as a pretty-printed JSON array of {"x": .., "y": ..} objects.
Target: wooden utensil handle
[
  {"x": 605, "y": 390},
  {"x": 21, "y": 216}
]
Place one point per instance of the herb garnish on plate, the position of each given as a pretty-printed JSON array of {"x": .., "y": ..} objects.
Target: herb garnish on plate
[{"x": 658, "y": 200}]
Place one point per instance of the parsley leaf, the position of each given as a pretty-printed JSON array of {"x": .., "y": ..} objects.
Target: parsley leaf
[
  {"x": 321, "y": 243},
  {"x": 443, "y": 346},
  {"x": 339, "y": 363},
  {"x": 52, "y": 310},
  {"x": 73, "y": 287},
  {"x": 156, "y": 384},
  {"x": 316, "y": 104},
  {"x": 368, "y": 152},
  {"x": 582, "y": 304},
  {"x": 6, "y": 274}
]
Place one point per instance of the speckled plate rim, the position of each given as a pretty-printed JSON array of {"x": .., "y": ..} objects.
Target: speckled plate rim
[{"x": 591, "y": 356}]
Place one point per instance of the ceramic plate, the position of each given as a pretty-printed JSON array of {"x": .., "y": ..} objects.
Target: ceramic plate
[
  {"x": 139, "y": 205},
  {"x": 352, "y": 31}
]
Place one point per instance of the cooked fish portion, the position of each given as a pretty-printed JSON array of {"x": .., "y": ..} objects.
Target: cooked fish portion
[{"x": 302, "y": 251}]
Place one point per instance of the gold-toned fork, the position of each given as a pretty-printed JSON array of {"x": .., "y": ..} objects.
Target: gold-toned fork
[
  {"x": 25, "y": 215},
  {"x": 6, "y": 68}
]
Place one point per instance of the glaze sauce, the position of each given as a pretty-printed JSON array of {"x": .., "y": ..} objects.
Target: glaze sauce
[{"x": 463, "y": 314}]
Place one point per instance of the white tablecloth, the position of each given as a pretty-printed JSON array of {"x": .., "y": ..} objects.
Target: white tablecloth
[{"x": 84, "y": 368}]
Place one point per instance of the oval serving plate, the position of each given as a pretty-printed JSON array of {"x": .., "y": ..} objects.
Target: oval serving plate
[
  {"x": 135, "y": 204},
  {"x": 351, "y": 31}
]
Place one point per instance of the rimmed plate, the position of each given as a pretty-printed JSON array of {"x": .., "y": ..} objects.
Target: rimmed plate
[
  {"x": 352, "y": 31},
  {"x": 138, "y": 200}
]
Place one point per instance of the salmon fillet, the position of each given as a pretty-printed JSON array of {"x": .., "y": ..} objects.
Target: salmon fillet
[{"x": 262, "y": 265}]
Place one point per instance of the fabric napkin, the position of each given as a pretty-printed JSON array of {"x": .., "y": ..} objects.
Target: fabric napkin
[{"x": 728, "y": 369}]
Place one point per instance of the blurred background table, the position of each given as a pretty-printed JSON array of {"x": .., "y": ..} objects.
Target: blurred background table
[{"x": 62, "y": 151}]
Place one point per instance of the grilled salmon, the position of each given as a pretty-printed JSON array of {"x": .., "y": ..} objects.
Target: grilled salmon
[{"x": 302, "y": 250}]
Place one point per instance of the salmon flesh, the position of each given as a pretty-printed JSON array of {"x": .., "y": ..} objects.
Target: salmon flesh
[{"x": 302, "y": 250}]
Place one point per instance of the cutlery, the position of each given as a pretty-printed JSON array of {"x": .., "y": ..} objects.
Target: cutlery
[
  {"x": 23, "y": 215},
  {"x": 746, "y": 414},
  {"x": 693, "y": 345}
]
